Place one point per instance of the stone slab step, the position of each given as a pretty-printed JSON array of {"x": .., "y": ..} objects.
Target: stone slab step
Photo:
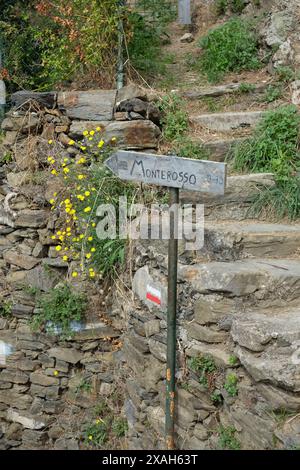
[
  {"x": 268, "y": 345},
  {"x": 263, "y": 278},
  {"x": 230, "y": 241},
  {"x": 235, "y": 204},
  {"x": 220, "y": 90},
  {"x": 225, "y": 122},
  {"x": 220, "y": 148}
]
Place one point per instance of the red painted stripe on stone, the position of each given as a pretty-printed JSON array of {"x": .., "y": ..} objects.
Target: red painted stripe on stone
[{"x": 152, "y": 298}]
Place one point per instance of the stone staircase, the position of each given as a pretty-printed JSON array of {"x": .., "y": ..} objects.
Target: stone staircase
[{"x": 239, "y": 304}]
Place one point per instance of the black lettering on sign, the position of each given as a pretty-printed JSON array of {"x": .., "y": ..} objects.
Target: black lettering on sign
[{"x": 138, "y": 164}]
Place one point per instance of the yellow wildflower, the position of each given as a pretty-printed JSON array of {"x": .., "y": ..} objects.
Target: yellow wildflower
[
  {"x": 113, "y": 139},
  {"x": 90, "y": 239},
  {"x": 67, "y": 201},
  {"x": 80, "y": 177},
  {"x": 54, "y": 172},
  {"x": 87, "y": 209},
  {"x": 93, "y": 250},
  {"x": 81, "y": 236},
  {"x": 66, "y": 170},
  {"x": 93, "y": 224},
  {"x": 98, "y": 129},
  {"x": 52, "y": 201},
  {"x": 72, "y": 211},
  {"x": 74, "y": 274},
  {"x": 53, "y": 237},
  {"x": 71, "y": 142},
  {"x": 85, "y": 133},
  {"x": 87, "y": 193},
  {"x": 65, "y": 258},
  {"x": 54, "y": 194},
  {"x": 68, "y": 229},
  {"x": 83, "y": 148},
  {"x": 58, "y": 247},
  {"x": 50, "y": 141},
  {"x": 92, "y": 274},
  {"x": 88, "y": 255},
  {"x": 90, "y": 437},
  {"x": 101, "y": 143},
  {"x": 55, "y": 372}
]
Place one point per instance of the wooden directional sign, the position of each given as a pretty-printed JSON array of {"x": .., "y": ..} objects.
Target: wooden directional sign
[{"x": 175, "y": 172}]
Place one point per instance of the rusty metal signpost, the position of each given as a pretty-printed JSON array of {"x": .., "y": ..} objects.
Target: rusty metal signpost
[{"x": 175, "y": 173}]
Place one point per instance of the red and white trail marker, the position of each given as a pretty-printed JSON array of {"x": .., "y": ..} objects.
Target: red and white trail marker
[{"x": 153, "y": 295}]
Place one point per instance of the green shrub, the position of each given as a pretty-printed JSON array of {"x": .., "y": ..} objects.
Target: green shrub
[
  {"x": 274, "y": 145},
  {"x": 204, "y": 366},
  {"x": 5, "y": 309},
  {"x": 119, "y": 427},
  {"x": 231, "y": 47},
  {"x": 175, "y": 120},
  {"x": 231, "y": 385},
  {"x": 237, "y": 6},
  {"x": 220, "y": 7},
  {"x": 227, "y": 439},
  {"x": 285, "y": 74},
  {"x": 272, "y": 93},
  {"x": 186, "y": 148},
  {"x": 59, "y": 308},
  {"x": 274, "y": 148},
  {"x": 246, "y": 88}
]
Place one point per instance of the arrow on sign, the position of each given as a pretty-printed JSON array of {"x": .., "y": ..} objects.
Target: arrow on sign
[{"x": 175, "y": 172}]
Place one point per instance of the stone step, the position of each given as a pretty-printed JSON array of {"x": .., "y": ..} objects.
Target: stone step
[
  {"x": 226, "y": 122},
  {"x": 220, "y": 90},
  {"x": 231, "y": 240},
  {"x": 268, "y": 346},
  {"x": 259, "y": 279},
  {"x": 235, "y": 204},
  {"x": 219, "y": 149}
]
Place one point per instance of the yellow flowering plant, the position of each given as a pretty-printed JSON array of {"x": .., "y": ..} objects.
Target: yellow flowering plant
[{"x": 87, "y": 183}]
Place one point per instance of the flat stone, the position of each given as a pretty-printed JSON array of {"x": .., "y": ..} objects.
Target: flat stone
[
  {"x": 278, "y": 399},
  {"x": 212, "y": 308},
  {"x": 152, "y": 327},
  {"x": 131, "y": 135},
  {"x": 15, "y": 400},
  {"x": 23, "y": 261},
  {"x": 158, "y": 350},
  {"x": 50, "y": 393},
  {"x": 244, "y": 277},
  {"x": 32, "y": 218},
  {"x": 27, "y": 421},
  {"x": 92, "y": 105},
  {"x": 129, "y": 92},
  {"x": 40, "y": 379},
  {"x": 220, "y": 90},
  {"x": 23, "y": 98},
  {"x": 205, "y": 334},
  {"x": 93, "y": 331},
  {"x": 187, "y": 37},
  {"x": 220, "y": 356},
  {"x": 18, "y": 179},
  {"x": 224, "y": 122},
  {"x": 24, "y": 124},
  {"x": 17, "y": 377},
  {"x": 65, "y": 354},
  {"x": 252, "y": 239}
]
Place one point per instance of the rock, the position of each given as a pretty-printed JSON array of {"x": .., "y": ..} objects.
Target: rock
[
  {"x": 15, "y": 180},
  {"x": 212, "y": 308},
  {"x": 124, "y": 116},
  {"x": 255, "y": 330},
  {"x": 135, "y": 135},
  {"x": 135, "y": 105},
  {"x": 244, "y": 277},
  {"x": 34, "y": 439},
  {"x": 280, "y": 24},
  {"x": 92, "y": 105},
  {"x": 278, "y": 399},
  {"x": 65, "y": 354},
  {"x": 39, "y": 378},
  {"x": 296, "y": 92},
  {"x": 220, "y": 356},
  {"x": 22, "y": 311},
  {"x": 21, "y": 123},
  {"x": 15, "y": 400},
  {"x": 143, "y": 281},
  {"x": 219, "y": 90},
  {"x": 205, "y": 334},
  {"x": 289, "y": 435},
  {"x": 23, "y": 98},
  {"x": 187, "y": 37},
  {"x": 129, "y": 92},
  {"x": 17, "y": 377},
  {"x": 152, "y": 327},
  {"x": 224, "y": 122},
  {"x": 156, "y": 418},
  {"x": 27, "y": 421},
  {"x": 284, "y": 56},
  {"x": 50, "y": 393},
  {"x": 32, "y": 218},
  {"x": 95, "y": 331},
  {"x": 200, "y": 432},
  {"x": 158, "y": 350},
  {"x": 23, "y": 261}
]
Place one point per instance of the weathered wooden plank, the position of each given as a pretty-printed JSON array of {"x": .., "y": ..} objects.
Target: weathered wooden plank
[
  {"x": 171, "y": 171},
  {"x": 92, "y": 105}
]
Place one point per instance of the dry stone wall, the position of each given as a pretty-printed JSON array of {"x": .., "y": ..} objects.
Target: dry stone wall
[
  {"x": 49, "y": 387},
  {"x": 238, "y": 333}
]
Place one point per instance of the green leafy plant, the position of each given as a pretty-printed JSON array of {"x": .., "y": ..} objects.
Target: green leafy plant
[
  {"x": 175, "y": 119},
  {"x": 5, "y": 309},
  {"x": 246, "y": 88},
  {"x": 97, "y": 433},
  {"x": 220, "y": 7},
  {"x": 231, "y": 47},
  {"x": 216, "y": 397},
  {"x": 84, "y": 386},
  {"x": 230, "y": 385},
  {"x": 119, "y": 427},
  {"x": 237, "y": 6},
  {"x": 272, "y": 93},
  {"x": 233, "y": 360},
  {"x": 227, "y": 439},
  {"x": 59, "y": 307},
  {"x": 204, "y": 366},
  {"x": 186, "y": 148},
  {"x": 285, "y": 74}
]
